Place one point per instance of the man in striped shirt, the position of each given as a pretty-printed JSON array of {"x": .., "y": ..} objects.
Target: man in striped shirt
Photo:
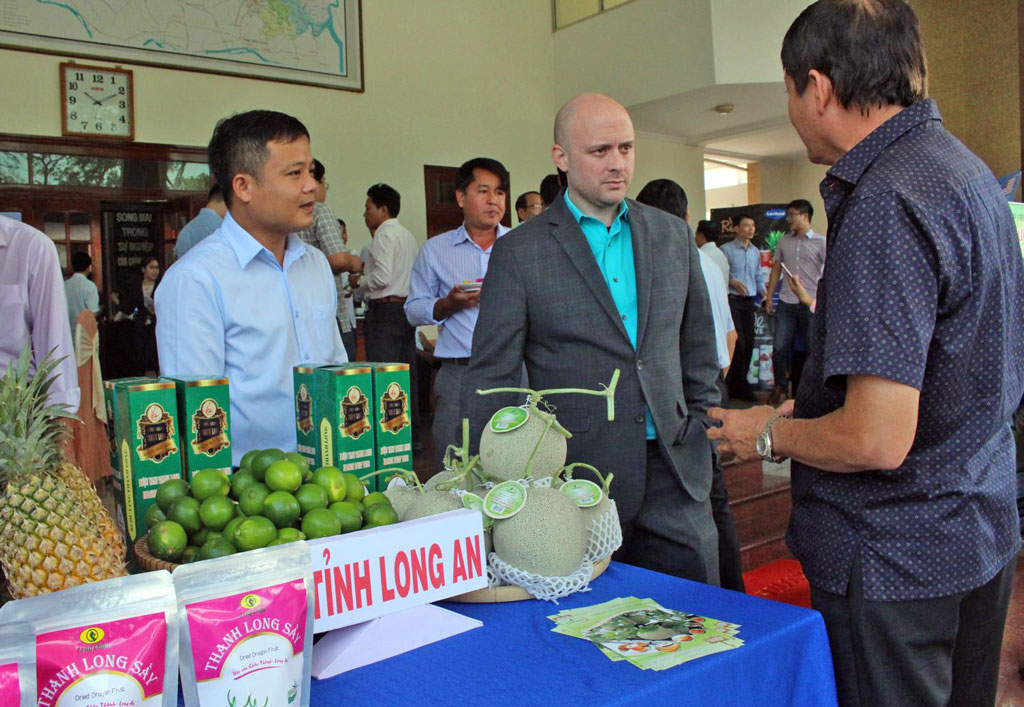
[{"x": 445, "y": 288}]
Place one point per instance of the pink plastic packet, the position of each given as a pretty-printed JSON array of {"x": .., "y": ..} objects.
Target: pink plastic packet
[
  {"x": 246, "y": 628},
  {"x": 111, "y": 642},
  {"x": 17, "y": 665}
]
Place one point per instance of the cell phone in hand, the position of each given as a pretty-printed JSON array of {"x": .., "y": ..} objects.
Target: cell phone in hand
[{"x": 788, "y": 271}]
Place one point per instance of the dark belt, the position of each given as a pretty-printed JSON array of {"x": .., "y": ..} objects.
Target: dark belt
[
  {"x": 456, "y": 361},
  {"x": 389, "y": 298}
]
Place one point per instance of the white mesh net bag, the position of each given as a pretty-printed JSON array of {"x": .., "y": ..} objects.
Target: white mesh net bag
[
  {"x": 541, "y": 587},
  {"x": 605, "y": 534}
]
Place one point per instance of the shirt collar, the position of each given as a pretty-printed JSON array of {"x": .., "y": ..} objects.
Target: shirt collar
[
  {"x": 462, "y": 235},
  {"x": 579, "y": 215},
  {"x": 851, "y": 166},
  {"x": 247, "y": 248}
]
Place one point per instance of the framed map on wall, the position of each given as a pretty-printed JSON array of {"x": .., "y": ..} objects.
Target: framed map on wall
[{"x": 314, "y": 42}]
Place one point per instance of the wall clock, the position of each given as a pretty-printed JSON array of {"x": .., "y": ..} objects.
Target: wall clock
[{"x": 96, "y": 101}]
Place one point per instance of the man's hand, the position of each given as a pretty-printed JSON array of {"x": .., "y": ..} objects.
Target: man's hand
[
  {"x": 455, "y": 301},
  {"x": 738, "y": 286},
  {"x": 769, "y": 306},
  {"x": 738, "y": 434}
]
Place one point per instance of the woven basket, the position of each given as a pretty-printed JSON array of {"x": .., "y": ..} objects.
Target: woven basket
[
  {"x": 497, "y": 595},
  {"x": 147, "y": 561}
]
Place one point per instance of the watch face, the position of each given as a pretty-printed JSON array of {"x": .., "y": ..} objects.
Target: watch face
[
  {"x": 761, "y": 445},
  {"x": 96, "y": 101}
]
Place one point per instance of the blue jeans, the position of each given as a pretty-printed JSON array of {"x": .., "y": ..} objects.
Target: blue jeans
[{"x": 789, "y": 319}]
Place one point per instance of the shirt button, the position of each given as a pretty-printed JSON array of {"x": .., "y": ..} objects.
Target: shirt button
[
  {"x": 615, "y": 279},
  {"x": 623, "y": 317},
  {"x": 640, "y": 418}
]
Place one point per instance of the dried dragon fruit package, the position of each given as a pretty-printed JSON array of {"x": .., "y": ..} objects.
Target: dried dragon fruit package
[
  {"x": 17, "y": 665},
  {"x": 246, "y": 628},
  {"x": 106, "y": 643}
]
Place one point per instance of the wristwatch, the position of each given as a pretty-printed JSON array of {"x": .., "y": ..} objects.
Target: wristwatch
[{"x": 763, "y": 445}]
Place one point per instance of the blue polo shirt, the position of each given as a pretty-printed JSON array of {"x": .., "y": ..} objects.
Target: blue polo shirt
[
  {"x": 924, "y": 286},
  {"x": 613, "y": 250}
]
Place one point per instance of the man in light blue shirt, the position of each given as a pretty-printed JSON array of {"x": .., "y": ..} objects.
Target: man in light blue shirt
[
  {"x": 252, "y": 300},
  {"x": 206, "y": 222},
  {"x": 445, "y": 288},
  {"x": 80, "y": 290},
  {"x": 746, "y": 281}
]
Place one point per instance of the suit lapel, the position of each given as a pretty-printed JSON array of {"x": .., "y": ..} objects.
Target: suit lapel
[
  {"x": 568, "y": 234},
  {"x": 643, "y": 263}
]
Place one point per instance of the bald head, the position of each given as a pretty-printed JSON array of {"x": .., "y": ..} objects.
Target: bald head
[
  {"x": 594, "y": 147},
  {"x": 583, "y": 106}
]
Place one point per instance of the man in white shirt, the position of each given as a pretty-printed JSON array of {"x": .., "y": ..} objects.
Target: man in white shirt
[
  {"x": 707, "y": 241},
  {"x": 252, "y": 300},
  {"x": 81, "y": 292},
  {"x": 386, "y": 277}
]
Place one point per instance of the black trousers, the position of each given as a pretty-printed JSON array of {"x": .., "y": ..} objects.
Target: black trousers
[
  {"x": 742, "y": 309},
  {"x": 390, "y": 337},
  {"x": 942, "y": 651},
  {"x": 671, "y": 533}
]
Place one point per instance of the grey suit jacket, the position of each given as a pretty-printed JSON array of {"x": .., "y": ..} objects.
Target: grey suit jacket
[{"x": 545, "y": 302}]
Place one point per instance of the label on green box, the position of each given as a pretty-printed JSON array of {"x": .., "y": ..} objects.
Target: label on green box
[
  {"x": 306, "y": 435},
  {"x": 147, "y": 423},
  {"x": 345, "y": 418},
  {"x": 204, "y": 412},
  {"x": 392, "y": 412},
  {"x": 110, "y": 401}
]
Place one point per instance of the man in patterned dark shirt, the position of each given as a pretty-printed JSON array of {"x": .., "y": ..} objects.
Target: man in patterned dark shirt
[{"x": 904, "y": 510}]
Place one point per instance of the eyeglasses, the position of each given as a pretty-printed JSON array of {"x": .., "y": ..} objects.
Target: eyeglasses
[{"x": 535, "y": 207}]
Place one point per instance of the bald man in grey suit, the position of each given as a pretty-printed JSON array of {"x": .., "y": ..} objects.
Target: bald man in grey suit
[{"x": 599, "y": 282}]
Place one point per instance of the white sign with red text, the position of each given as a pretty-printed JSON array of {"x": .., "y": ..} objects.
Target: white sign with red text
[{"x": 369, "y": 573}]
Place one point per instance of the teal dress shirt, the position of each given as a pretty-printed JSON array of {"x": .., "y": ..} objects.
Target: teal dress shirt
[{"x": 613, "y": 250}]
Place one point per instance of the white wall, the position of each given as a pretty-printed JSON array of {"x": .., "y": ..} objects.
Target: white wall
[
  {"x": 660, "y": 157},
  {"x": 747, "y": 51},
  {"x": 637, "y": 52},
  {"x": 724, "y": 197},
  {"x": 446, "y": 80}
]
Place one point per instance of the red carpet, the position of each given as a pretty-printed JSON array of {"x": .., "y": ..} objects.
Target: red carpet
[{"x": 781, "y": 580}]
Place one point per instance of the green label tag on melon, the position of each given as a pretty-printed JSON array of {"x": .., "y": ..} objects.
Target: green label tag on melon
[
  {"x": 508, "y": 419},
  {"x": 585, "y": 493},
  {"x": 505, "y": 500}
]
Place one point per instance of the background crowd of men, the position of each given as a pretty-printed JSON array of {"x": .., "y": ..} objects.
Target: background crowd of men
[{"x": 904, "y": 509}]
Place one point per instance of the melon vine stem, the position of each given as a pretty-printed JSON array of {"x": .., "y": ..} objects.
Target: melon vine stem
[{"x": 535, "y": 395}]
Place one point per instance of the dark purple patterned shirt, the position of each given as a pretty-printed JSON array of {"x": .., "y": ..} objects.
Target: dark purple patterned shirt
[{"x": 923, "y": 285}]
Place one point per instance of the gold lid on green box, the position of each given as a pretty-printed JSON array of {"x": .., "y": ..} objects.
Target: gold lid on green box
[
  {"x": 393, "y": 367},
  {"x": 159, "y": 385},
  {"x": 206, "y": 382}
]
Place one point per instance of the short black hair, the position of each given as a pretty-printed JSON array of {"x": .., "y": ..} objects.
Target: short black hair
[
  {"x": 215, "y": 192},
  {"x": 801, "y": 206},
  {"x": 80, "y": 261},
  {"x": 871, "y": 51},
  {"x": 521, "y": 201},
  {"x": 549, "y": 188},
  {"x": 239, "y": 144},
  {"x": 384, "y": 195},
  {"x": 464, "y": 177},
  {"x": 737, "y": 220},
  {"x": 666, "y": 195},
  {"x": 319, "y": 171},
  {"x": 341, "y": 223},
  {"x": 709, "y": 230}
]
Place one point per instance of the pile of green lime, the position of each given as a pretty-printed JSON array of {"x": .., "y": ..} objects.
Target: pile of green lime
[{"x": 273, "y": 498}]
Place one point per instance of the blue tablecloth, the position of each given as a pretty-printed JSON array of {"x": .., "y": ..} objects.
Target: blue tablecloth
[{"x": 515, "y": 659}]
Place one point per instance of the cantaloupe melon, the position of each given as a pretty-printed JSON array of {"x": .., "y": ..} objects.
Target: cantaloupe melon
[
  {"x": 547, "y": 536},
  {"x": 431, "y": 503},
  {"x": 504, "y": 455}
]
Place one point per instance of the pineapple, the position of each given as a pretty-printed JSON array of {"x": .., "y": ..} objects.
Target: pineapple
[{"x": 53, "y": 532}]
